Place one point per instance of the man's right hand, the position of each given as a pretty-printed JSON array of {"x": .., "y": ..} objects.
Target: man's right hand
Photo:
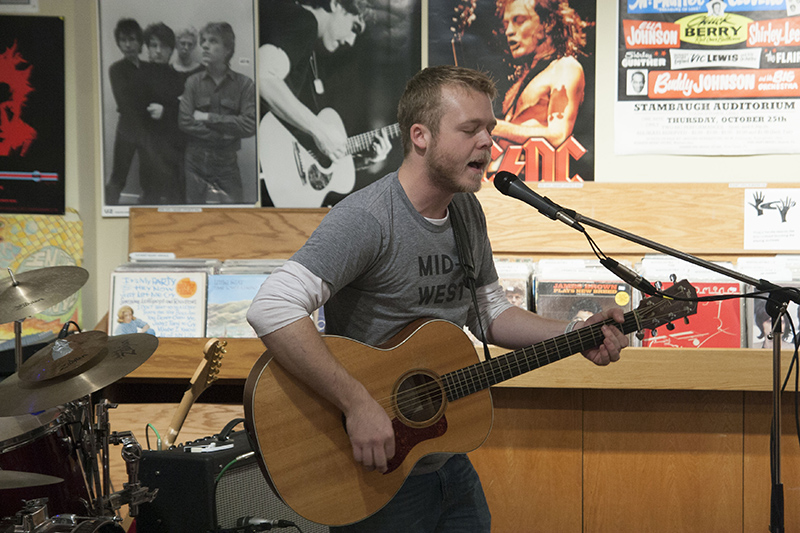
[
  {"x": 331, "y": 141},
  {"x": 371, "y": 435}
]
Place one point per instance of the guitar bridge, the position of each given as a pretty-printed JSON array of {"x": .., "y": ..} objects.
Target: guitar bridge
[{"x": 298, "y": 162}]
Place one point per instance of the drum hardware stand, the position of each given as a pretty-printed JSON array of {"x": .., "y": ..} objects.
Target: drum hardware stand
[
  {"x": 34, "y": 518},
  {"x": 34, "y": 514},
  {"x": 17, "y": 329},
  {"x": 132, "y": 493}
]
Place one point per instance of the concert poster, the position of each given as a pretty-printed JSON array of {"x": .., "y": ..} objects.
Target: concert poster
[
  {"x": 146, "y": 134},
  {"x": 32, "y": 143},
  {"x": 545, "y": 108},
  {"x": 353, "y": 88},
  {"x": 717, "y": 77}
]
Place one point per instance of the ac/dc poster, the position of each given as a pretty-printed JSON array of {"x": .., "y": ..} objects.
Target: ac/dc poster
[
  {"x": 32, "y": 115},
  {"x": 708, "y": 77},
  {"x": 542, "y": 56}
]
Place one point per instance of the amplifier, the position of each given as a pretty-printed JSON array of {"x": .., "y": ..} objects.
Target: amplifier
[{"x": 205, "y": 485}]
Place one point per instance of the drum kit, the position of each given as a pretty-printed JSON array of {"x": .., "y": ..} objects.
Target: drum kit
[{"x": 54, "y": 435}]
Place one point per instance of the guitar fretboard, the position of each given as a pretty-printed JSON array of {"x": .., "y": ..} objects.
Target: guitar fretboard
[
  {"x": 363, "y": 141},
  {"x": 483, "y": 375}
]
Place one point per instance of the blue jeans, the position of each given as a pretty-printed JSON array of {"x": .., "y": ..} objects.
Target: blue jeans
[
  {"x": 449, "y": 500},
  {"x": 212, "y": 176}
]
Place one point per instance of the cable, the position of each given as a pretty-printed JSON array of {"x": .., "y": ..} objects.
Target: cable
[{"x": 147, "y": 437}]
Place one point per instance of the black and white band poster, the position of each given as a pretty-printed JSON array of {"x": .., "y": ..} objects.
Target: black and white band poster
[
  {"x": 710, "y": 77},
  {"x": 32, "y": 143},
  {"x": 178, "y": 97},
  {"x": 542, "y": 57}
]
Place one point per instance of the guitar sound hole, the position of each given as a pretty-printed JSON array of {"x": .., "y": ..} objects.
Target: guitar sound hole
[
  {"x": 318, "y": 179},
  {"x": 419, "y": 398}
]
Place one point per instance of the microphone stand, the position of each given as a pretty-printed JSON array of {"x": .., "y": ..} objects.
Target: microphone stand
[{"x": 776, "y": 306}]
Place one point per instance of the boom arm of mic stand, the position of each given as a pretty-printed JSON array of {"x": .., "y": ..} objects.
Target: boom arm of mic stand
[{"x": 759, "y": 283}]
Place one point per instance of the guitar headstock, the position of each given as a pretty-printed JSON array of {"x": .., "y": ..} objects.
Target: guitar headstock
[
  {"x": 208, "y": 371},
  {"x": 656, "y": 311}
]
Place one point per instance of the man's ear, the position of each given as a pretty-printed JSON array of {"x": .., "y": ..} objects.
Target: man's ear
[{"x": 421, "y": 136}]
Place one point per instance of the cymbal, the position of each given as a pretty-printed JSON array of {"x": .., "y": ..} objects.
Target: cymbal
[
  {"x": 37, "y": 290},
  {"x": 30, "y": 394},
  {"x": 11, "y": 479},
  {"x": 69, "y": 355}
]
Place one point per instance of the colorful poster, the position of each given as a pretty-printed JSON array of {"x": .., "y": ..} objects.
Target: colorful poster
[
  {"x": 32, "y": 115},
  {"x": 33, "y": 242},
  {"x": 542, "y": 56},
  {"x": 178, "y": 91},
  {"x": 708, "y": 78},
  {"x": 329, "y": 94}
]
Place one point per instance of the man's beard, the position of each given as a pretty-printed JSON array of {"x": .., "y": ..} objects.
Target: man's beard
[{"x": 443, "y": 172}]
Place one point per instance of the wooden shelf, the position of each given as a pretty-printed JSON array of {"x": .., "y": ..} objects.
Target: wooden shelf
[
  {"x": 700, "y": 219},
  {"x": 640, "y": 368}
]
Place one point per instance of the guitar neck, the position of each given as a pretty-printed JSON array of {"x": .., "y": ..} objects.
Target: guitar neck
[
  {"x": 363, "y": 141},
  {"x": 179, "y": 417},
  {"x": 483, "y": 375}
]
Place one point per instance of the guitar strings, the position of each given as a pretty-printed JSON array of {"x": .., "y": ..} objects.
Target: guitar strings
[
  {"x": 463, "y": 385},
  {"x": 455, "y": 385}
]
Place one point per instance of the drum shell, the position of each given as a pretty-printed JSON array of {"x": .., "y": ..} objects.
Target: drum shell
[{"x": 49, "y": 449}]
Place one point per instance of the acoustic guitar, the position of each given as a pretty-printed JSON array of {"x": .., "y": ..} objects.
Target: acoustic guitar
[
  {"x": 435, "y": 390},
  {"x": 297, "y": 174}
]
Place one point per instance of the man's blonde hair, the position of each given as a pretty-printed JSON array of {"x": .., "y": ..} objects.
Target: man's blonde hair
[{"x": 421, "y": 102}]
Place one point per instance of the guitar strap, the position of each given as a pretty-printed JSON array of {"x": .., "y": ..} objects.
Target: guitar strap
[{"x": 465, "y": 256}]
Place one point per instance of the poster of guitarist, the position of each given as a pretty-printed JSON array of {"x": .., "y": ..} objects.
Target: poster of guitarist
[
  {"x": 542, "y": 53},
  {"x": 328, "y": 77}
]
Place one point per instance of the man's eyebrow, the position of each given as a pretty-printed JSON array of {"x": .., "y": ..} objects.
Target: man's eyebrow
[{"x": 478, "y": 122}]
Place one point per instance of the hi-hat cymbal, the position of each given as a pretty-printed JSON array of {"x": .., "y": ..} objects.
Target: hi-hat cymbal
[
  {"x": 11, "y": 479},
  {"x": 122, "y": 355},
  {"x": 37, "y": 290}
]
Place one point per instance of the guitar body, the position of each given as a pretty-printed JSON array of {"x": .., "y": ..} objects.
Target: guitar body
[
  {"x": 293, "y": 175},
  {"x": 304, "y": 449},
  {"x": 435, "y": 390}
]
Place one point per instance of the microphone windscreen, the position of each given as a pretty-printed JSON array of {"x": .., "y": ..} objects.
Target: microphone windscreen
[{"x": 503, "y": 180}]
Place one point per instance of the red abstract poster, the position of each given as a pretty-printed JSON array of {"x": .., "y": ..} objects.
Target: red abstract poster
[{"x": 31, "y": 115}]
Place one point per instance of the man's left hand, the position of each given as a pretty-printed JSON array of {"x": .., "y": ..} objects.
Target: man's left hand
[{"x": 614, "y": 341}]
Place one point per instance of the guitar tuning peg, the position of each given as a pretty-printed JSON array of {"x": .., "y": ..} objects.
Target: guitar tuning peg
[
  {"x": 673, "y": 278},
  {"x": 653, "y": 332},
  {"x": 670, "y": 326},
  {"x": 686, "y": 320},
  {"x": 640, "y": 335}
]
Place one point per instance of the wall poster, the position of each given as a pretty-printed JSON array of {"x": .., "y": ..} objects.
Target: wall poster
[
  {"x": 708, "y": 77},
  {"x": 329, "y": 97},
  {"x": 542, "y": 56},
  {"x": 32, "y": 145},
  {"x": 178, "y": 103}
]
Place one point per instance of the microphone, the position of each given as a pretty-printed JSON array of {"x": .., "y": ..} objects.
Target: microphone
[
  {"x": 262, "y": 524},
  {"x": 628, "y": 276},
  {"x": 510, "y": 185}
]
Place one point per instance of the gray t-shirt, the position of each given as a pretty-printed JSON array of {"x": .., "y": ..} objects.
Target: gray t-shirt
[{"x": 387, "y": 265}]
